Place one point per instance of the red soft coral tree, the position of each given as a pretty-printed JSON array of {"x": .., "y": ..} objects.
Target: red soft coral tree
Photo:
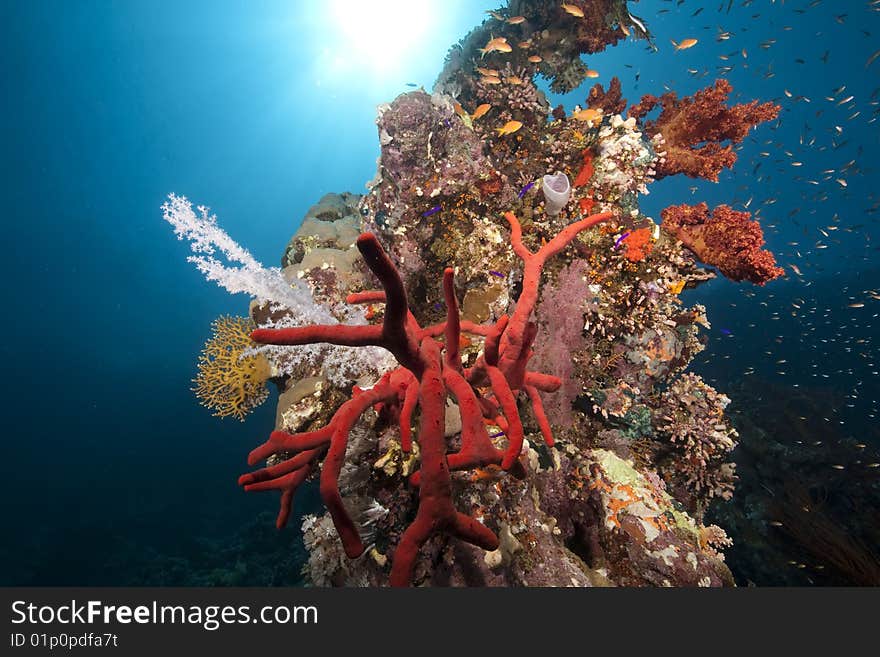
[
  {"x": 727, "y": 239},
  {"x": 611, "y": 101},
  {"x": 429, "y": 372},
  {"x": 694, "y": 128}
]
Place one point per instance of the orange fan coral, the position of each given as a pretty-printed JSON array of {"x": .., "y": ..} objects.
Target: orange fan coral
[
  {"x": 727, "y": 239},
  {"x": 694, "y": 128},
  {"x": 230, "y": 382}
]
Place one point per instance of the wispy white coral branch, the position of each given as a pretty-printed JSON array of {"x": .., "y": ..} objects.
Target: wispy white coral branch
[{"x": 222, "y": 259}]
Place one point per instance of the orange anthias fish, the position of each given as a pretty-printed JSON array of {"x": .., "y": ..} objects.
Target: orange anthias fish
[
  {"x": 535, "y": 59},
  {"x": 490, "y": 79},
  {"x": 497, "y": 44},
  {"x": 481, "y": 111},
  {"x": 459, "y": 109},
  {"x": 516, "y": 20},
  {"x": 509, "y": 128},
  {"x": 490, "y": 473},
  {"x": 685, "y": 44},
  {"x": 574, "y": 10},
  {"x": 592, "y": 74},
  {"x": 587, "y": 115},
  {"x": 487, "y": 71}
]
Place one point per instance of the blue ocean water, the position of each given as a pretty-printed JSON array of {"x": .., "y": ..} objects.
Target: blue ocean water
[{"x": 112, "y": 473}]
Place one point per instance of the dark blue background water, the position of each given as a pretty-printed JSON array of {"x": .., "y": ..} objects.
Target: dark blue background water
[{"x": 111, "y": 471}]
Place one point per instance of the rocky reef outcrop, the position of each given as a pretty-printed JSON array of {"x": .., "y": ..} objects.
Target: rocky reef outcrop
[{"x": 622, "y": 452}]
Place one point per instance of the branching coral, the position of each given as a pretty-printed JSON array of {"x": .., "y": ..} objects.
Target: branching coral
[
  {"x": 230, "y": 381},
  {"x": 691, "y": 418},
  {"x": 428, "y": 373},
  {"x": 626, "y": 162},
  {"x": 726, "y": 239},
  {"x": 695, "y": 127}
]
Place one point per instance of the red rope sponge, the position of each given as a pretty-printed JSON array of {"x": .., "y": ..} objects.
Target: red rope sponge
[{"x": 429, "y": 372}]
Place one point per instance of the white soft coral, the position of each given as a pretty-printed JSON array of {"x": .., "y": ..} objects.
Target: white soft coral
[{"x": 222, "y": 259}]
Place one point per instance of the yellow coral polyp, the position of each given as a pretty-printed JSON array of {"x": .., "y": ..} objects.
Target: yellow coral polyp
[{"x": 228, "y": 382}]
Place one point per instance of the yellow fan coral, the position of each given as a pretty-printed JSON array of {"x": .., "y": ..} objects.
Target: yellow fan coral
[{"x": 229, "y": 382}]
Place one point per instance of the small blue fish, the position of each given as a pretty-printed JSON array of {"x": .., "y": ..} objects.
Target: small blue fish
[
  {"x": 726, "y": 331},
  {"x": 620, "y": 239},
  {"x": 495, "y": 435},
  {"x": 497, "y": 273},
  {"x": 411, "y": 84},
  {"x": 434, "y": 210},
  {"x": 523, "y": 191}
]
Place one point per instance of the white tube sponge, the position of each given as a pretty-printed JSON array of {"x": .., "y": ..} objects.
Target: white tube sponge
[{"x": 557, "y": 192}]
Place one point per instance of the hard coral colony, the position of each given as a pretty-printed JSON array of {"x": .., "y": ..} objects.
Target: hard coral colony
[{"x": 609, "y": 484}]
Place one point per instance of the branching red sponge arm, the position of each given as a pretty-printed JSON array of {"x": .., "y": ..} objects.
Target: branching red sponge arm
[
  {"x": 513, "y": 347},
  {"x": 540, "y": 415},
  {"x": 396, "y": 334},
  {"x": 340, "y": 334},
  {"x": 543, "y": 382},
  {"x": 453, "y": 325},
  {"x": 477, "y": 449},
  {"x": 425, "y": 379},
  {"x": 436, "y": 511},
  {"x": 281, "y": 441},
  {"x": 410, "y": 399},
  {"x": 370, "y": 296},
  {"x": 342, "y": 422},
  {"x": 286, "y": 477},
  {"x": 567, "y": 234},
  {"x": 515, "y": 433},
  {"x": 493, "y": 340}
]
